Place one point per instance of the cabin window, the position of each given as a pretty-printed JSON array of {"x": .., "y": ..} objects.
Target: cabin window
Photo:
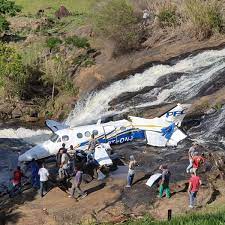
[
  {"x": 79, "y": 135},
  {"x": 122, "y": 128},
  {"x": 54, "y": 137},
  {"x": 59, "y": 140},
  {"x": 87, "y": 134},
  {"x": 65, "y": 138},
  {"x": 95, "y": 132}
]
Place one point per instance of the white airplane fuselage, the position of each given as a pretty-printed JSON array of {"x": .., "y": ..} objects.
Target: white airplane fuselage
[{"x": 115, "y": 132}]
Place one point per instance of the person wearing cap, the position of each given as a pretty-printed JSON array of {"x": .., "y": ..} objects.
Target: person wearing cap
[
  {"x": 194, "y": 185},
  {"x": 131, "y": 171},
  {"x": 191, "y": 153},
  {"x": 164, "y": 185}
]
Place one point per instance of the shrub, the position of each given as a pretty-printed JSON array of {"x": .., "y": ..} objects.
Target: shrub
[
  {"x": 7, "y": 8},
  {"x": 12, "y": 72},
  {"x": 78, "y": 42},
  {"x": 167, "y": 15},
  {"x": 205, "y": 16},
  {"x": 53, "y": 43},
  {"x": 116, "y": 20}
]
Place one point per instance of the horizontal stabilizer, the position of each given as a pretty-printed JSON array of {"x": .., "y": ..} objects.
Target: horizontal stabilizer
[
  {"x": 55, "y": 126},
  {"x": 157, "y": 138}
]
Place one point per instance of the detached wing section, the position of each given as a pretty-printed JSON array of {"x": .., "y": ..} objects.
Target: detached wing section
[
  {"x": 163, "y": 131},
  {"x": 55, "y": 126}
]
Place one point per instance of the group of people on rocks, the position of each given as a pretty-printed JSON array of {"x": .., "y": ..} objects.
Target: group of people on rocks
[
  {"x": 66, "y": 168},
  {"x": 195, "y": 162}
]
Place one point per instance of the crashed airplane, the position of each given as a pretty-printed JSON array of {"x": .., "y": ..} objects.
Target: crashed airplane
[{"x": 160, "y": 131}]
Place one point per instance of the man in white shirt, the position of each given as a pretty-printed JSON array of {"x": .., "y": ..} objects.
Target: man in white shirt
[
  {"x": 44, "y": 174},
  {"x": 145, "y": 17}
]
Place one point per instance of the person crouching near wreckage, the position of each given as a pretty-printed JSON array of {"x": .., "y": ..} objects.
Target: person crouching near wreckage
[
  {"x": 131, "y": 171},
  {"x": 76, "y": 182},
  {"x": 164, "y": 185}
]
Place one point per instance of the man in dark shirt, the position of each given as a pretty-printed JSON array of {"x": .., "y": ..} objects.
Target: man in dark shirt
[
  {"x": 76, "y": 182},
  {"x": 164, "y": 186}
]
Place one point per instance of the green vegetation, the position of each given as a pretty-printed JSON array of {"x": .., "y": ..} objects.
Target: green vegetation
[
  {"x": 167, "y": 15},
  {"x": 54, "y": 74},
  {"x": 12, "y": 72},
  {"x": 7, "y": 8},
  {"x": 205, "y": 16},
  {"x": 215, "y": 218},
  {"x": 78, "y": 42},
  {"x": 53, "y": 43},
  {"x": 71, "y": 5},
  {"x": 117, "y": 21}
]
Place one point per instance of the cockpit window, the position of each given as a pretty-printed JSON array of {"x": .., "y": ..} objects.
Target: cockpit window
[
  {"x": 87, "y": 134},
  {"x": 54, "y": 137},
  {"x": 59, "y": 140},
  {"x": 79, "y": 135},
  {"x": 65, "y": 138}
]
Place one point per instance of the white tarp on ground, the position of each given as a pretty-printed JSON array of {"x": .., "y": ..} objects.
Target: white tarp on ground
[
  {"x": 153, "y": 179},
  {"x": 101, "y": 156}
]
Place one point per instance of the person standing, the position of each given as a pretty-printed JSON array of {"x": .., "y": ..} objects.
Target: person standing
[
  {"x": 131, "y": 171},
  {"x": 35, "y": 179},
  {"x": 191, "y": 153},
  {"x": 76, "y": 182},
  {"x": 91, "y": 147},
  {"x": 65, "y": 163},
  {"x": 164, "y": 185},
  {"x": 59, "y": 154},
  {"x": 194, "y": 185},
  {"x": 197, "y": 161},
  {"x": 44, "y": 175},
  {"x": 145, "y": 17}
]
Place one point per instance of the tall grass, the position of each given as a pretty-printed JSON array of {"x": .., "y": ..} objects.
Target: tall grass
[
  {"x": 205, "y": 16},
  {"x": 217, "y": 218}
]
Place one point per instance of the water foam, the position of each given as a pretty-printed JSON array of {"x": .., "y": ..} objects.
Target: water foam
[
  {"x": 200, "y": 69},
  {"x": 27, "y": 135}
]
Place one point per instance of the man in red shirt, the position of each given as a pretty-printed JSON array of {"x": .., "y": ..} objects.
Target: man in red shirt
[
  {"x": 197, "y": 161},
  {"x": 17, "y": 175},
  {"x": 194, "y": 185}
]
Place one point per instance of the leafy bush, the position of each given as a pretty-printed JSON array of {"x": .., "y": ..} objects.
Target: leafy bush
[
  {"x": 205, "y": 16},
  {"x": 12, "y": 72},
  {"x": 115, "y": 19},
  {"x": 78, "y": 42},
  {"x": 167, "y": 15},
  {"x": 7, "y": 8},
  {"x": 53, "y": 43}
]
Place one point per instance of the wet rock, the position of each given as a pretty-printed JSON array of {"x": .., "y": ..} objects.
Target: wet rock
[
  {"x": 210, "y": 111},
  {"x": 17, "y": 113},
  {"x": 62, "y": 12}
]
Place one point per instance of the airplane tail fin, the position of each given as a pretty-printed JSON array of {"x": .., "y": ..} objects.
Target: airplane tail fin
[{"x": 176, "y": 114}]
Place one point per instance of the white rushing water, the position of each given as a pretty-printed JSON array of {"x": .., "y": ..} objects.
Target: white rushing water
[
  {"x": 27, "y": 135},
  {"x": 198, "y": 71}
]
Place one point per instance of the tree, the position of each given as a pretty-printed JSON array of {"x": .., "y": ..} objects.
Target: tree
[
  {"x": 12, "y": 72},
  {"x": 7, "y": 8},
  {"x": 54, "y": 74},
  {"x": 117, "y": 21}
]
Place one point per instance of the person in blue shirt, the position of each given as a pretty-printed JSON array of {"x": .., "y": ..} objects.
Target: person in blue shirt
[{"x": 35, "y": 179}]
